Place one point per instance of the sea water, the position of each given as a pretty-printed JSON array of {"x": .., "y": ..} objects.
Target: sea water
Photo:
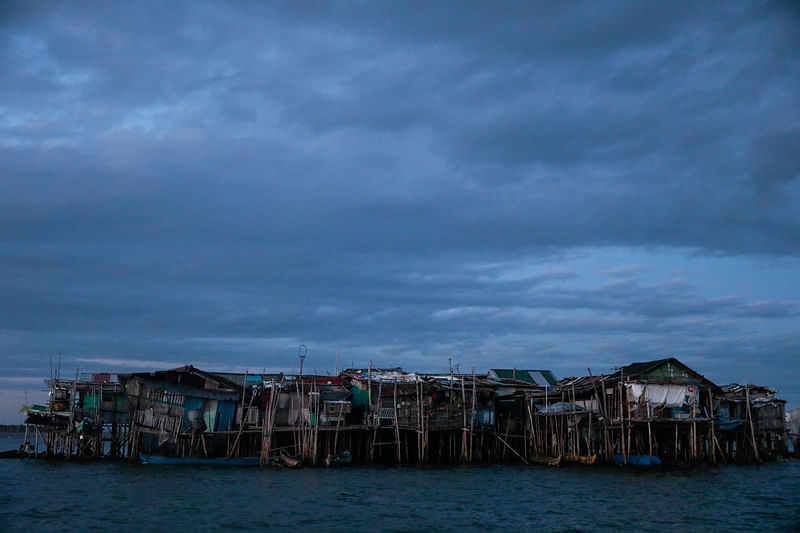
[{"x": 124, "y": 496}]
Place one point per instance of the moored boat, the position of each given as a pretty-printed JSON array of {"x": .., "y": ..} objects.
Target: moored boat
[
  {"x": 546, "y": 460},
  {"x": 291, "y": 461},
  {"x": 580, "y": 459},
  {"x": 638, "y": 460},
  {"x": 340, "y": 459},
  {"x": 211, "y": 461}
]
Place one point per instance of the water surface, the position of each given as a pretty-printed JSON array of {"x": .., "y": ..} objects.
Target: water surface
[{"x": 122, "y": 496}]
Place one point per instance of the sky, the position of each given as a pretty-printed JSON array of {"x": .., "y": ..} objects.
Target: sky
[{"x": 548, "y": 185}]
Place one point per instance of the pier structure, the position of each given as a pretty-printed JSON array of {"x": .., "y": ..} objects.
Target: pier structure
[
  {"x": 644, "y": 414},
  {"x": 86, "y": 417}
]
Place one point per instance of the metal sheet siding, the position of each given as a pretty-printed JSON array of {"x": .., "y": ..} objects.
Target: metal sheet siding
[{"x": 225, "y": 411}]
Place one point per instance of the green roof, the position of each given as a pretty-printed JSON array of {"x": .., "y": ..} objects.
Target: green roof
[{"x": 543, "y": 378}]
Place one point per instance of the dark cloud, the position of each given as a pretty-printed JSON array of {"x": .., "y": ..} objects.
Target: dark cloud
[
  {"x": 776, "y": 158},
  {"x": 217, "y": 183}
]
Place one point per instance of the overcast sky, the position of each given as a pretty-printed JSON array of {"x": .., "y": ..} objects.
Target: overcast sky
[{"x": 549, "y": 185}]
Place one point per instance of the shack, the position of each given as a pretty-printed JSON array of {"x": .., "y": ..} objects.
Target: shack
[
  {"x": 750, "y": 422},
  {"x": 183, "y": 411},
  {"x": 644, "y": 413},
  {"x": 84, "y": 417}
]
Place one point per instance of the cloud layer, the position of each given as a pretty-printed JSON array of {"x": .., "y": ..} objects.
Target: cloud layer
[{"x": 553, "y": 185}]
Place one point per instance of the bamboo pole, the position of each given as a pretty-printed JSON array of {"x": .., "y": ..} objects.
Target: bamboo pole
[
  {"x": 472, "y": 420},
  {"x": 529, "y": 406},
  {"x": 316, "y": 425},
  {"x": 622, "y": 418},
  {"x": 628, "y": 406},
  {"x": 575, "y": 422},
  {"x": 203, "y": 441},
  {"x": 694, "y": 425},
  {"x": 98, "y": 450},
  {"x": 713, "y": 436},
  {"x": 426, "y": 425},
  {"x": 604, "y": 412},
  {"x": 71, "y": 430},
  {"x": 547, "y": 441},
  {"x": 234, "y": 449},
  {"x": 397, "y": 426},
  {"x": 244, "y": 389},
  {"x": 338, "y": 423},
  {"x": 417, "y": 387},
  {"x": 369, "y": 389},
  {"x": 375, "y": 420},
  {"x": 464, "y": 455},
  {"x": 269, "y": 423},
  {"x": 750, "y": 418},
  {"x": 512, "y": 449},
  {"x": 721, "y": 453}
]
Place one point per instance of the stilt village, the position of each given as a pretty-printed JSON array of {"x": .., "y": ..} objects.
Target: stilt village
[{"x": 650, "y": 413}]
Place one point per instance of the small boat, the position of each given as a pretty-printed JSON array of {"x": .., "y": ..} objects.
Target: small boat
[
  {"x": 581, "y": 459},
  {"x": 291, "y": 461},
  {"x": 340, "y": 459},
  {"x": 210, "y": 461},
  {"x": 638, "y": 460},
  {"x": 20, "y": 454},
  {"x": 546, "y": 460}
]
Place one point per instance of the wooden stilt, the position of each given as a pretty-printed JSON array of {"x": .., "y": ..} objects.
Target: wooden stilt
[{"x": 750, "y": 418}]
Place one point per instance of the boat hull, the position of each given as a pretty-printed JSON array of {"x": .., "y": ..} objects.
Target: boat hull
[
  {"x": 339, "y": 460},
  {"x": 638, "y": 460},
  {"x": 213, "y": 461}
]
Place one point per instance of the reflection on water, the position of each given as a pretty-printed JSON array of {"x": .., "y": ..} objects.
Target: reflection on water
[{"x": 12, "y": 441}]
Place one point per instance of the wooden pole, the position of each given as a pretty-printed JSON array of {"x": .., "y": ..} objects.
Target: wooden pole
[
  {"x": 397, "y": 426},
  {"x": 546, "y": 445},
  {"x": 628, "y": 406},
  {"x": 375, "y": 420},
  {"x": 721, "y": 453},
  {"x": 603, "y": 411},
  {"x": 464, "y": 455},
  {"x": 562, "y": 422},
  {"x": 234, "y": 449},
  {"x": 622, "y": 418},
  {"x": 575, "y": 422},
  {"x": 512, "y": 449},
  {"x": 417, "y": 387},
  {"x": 694, "y": 424},
  {"x": 426, "y": 424},
  {"x": 529, "y": 406},
  {"x": 472, "y": 420},
  {"x": 316, "y": 426},
  {"x": 71, "y": 429},
  {"x": 244, "y": 389},
  {"x": 338, "y": 423},
  {"x": 369, "y": 388},
  {"x": 750, "y": 418},
  {"x": 713, "y": 436}
]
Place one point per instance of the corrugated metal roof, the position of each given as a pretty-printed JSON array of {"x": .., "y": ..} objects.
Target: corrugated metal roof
[
  {"x": 636, "y": 370},
  {"x": 543, "y": 378},
  {"x": 581, "y": 382},
  {"x": 251, "y": 379},
  {"x": 639, "y": 368}
]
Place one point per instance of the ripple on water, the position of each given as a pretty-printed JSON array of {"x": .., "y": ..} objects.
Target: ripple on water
[{"x": 43, "y": 495}]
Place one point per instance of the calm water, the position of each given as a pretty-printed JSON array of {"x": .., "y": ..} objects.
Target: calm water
[{"x": 130, "y": 497}]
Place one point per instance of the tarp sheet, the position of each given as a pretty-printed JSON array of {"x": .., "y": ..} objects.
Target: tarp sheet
[{"x": 660, "y": 395}]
